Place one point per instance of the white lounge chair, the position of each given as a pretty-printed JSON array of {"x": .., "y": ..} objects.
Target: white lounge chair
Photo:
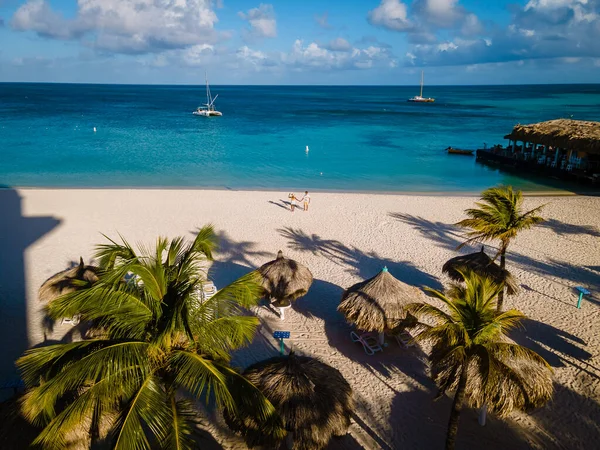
[
  {"x": 368, "y": 341},
  {"x": 71, "y": 320},
  {"x": 208, "y": 290}
]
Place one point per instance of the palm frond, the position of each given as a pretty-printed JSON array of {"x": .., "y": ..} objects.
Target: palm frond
[
  {"x": 183, "y": 418},
  {"x": 145, "y": 411}
]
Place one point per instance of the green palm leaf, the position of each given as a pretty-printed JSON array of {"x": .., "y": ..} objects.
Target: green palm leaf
[
  {"x": 159, "y": 340},
  {"x": 499, "y": 216},
  {"x": 470, "y": 353}
]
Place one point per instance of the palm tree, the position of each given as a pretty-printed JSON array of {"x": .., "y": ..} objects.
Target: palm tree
[
  {"x": 472, "y": 355},
  {"x": 157, "y": 349},
  {"x": 499, "y": 216}
]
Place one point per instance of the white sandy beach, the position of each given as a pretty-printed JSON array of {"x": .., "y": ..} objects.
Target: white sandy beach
[{"x": 344, "y": 238}]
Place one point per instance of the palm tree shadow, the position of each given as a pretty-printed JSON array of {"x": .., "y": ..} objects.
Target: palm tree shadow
[
  {"x": 577, "y": 426},
  {"x": 552, "y": 343},
  {"x": 564, "y": 229},
  {"x": 444, "y": 234},
  {"x": 360, "y": 263}
]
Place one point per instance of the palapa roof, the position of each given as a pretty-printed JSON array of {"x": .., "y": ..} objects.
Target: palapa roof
[
  {"x": 285, "y": 279},
  {"x": 313, "y": 399},
  {"x": 480, "y": 263},
  {"x": 67, "y": 281},
  {"x": 378, "y": 303},
  {"x": 564, "y": 133}
]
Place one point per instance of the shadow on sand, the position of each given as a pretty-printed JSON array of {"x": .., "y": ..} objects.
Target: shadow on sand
[
  {"x": 17, "y": 233},
  {"x": 349, "y": 258}
]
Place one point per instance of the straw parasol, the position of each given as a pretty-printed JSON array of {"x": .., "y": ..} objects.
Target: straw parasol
[
  {"x": 480, "y": 263},
  {"x": 312, "y": 398},
  {"x": 67, "y": 281},
  {"x": 285, "y": 279},
  {"x": 378, "y": 304}
]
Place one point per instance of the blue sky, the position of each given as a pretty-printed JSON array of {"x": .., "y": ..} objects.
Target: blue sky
[{"x": 301, "y": 42}]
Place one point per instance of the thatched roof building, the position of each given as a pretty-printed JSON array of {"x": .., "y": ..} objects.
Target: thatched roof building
[
  {"x": 379, "y": 303},
  {"x": 562, "y": 133},
  {"x": 313, "y": 399}
]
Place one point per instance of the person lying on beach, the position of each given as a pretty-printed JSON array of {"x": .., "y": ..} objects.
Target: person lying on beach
[{"x": 306, "y": 200}]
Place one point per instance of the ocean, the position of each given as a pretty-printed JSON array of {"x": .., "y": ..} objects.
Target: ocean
[{"x": 360, "y": 138}]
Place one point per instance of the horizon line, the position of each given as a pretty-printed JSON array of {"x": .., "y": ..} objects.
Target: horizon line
[{"x": 296, "y": 85}]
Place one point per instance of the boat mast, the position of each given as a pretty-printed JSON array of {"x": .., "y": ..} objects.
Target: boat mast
[
  {"x": 208, "y": 100},
  {"x": 421, "y": 94}
]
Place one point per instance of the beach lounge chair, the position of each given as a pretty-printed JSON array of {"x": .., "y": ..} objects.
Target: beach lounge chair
[
  {"x": 403, "y": 338},
  {"x": 368, "y": 341},
  {"x": 71, "y": 320},
  {"x": 208, "y": 290}
]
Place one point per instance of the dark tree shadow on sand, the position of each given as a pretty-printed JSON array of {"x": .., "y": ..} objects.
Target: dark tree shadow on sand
[
  {"x": 568, "y": 229},
  {"x": 17, "y": 233},
  {"x": 443, "y": 234},
  {"x": 448, "y": 236},
  {"x": 350, "y": 258},
  {"x": 558, "y": 347}
]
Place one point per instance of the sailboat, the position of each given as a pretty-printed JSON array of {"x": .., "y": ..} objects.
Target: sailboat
[
  {"x": 208, "y": 109},
  {"x": 419, "y": 98}
]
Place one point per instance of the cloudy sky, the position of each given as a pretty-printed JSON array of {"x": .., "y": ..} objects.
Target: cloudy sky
[{"x": 301, "y": 41}]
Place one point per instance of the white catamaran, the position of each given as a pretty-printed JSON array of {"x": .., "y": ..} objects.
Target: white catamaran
[
  {"x": 419, "y": 98},
  {"x": 208, "y": 109}
]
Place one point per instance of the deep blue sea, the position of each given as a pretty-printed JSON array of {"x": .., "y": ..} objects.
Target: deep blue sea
[{"x": 363, "y": 138}]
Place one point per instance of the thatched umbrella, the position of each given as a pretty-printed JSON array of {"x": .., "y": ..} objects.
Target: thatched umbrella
[
  {"x": 284, "y": 279},
  {"x": 67, "y": 281},
  {"x": 312, "y": 398},
  {"x": 378, "y": 304},
  {"x": 480, "y": 263}
]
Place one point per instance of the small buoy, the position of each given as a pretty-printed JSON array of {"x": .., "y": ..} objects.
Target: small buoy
[
  {"x": 307, "y": 149},
  {"x": 94, "y": 129},
  {"x": 321, "y": 173}
]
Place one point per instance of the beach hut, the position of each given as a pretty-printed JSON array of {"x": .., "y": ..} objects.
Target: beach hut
[
  {"x": 312, "y": 398},
  {"x": 284, "y": 280},
  {"x": 378, "y": 304},
  {"x": 67, "y": 281},
  {"x": 559, "y": 143},
  {"x": 480, "y": 263}
]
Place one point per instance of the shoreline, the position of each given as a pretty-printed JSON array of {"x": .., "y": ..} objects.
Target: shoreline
[{"x": 551, "y": 193}]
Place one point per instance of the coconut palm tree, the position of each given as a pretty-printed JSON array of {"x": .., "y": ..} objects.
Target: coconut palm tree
[
  {"x": 157, "y": 349},
  {"x": 499, "y": 216},
  {"x": 472, "y": 356}
]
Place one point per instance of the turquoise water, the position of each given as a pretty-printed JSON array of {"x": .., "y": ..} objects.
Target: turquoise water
[{"x": 360, "y": 138}]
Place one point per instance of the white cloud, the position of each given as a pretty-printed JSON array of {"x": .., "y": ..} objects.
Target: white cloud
[
  {"x": 444, "y": 9},
  {"x": 253, "y": 57},
  {"x": 262, "y": 21},
  {"x": 553, "y": 4},
  {"x": 124, "y": 26},
  {"x": 339, "y": 45},
  {"x": 315, "y": 57},
  {"x": 390, "y": 14}
]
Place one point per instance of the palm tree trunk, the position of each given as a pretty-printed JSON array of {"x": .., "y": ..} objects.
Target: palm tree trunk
[
  {"x": 502, "y": 266},
  {"x": 456, "y": 407}
]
